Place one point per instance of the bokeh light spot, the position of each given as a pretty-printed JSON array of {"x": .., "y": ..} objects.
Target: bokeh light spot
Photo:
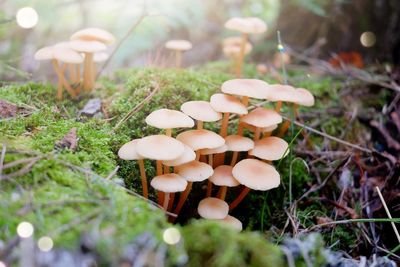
[
  {"x": 45, "y": 243},
  {"x": 2, "y": 264},
  {"x": 368, "y": 39},
  {"x": 171, "y": 236},
  {"x": 25, "y": 229},
  {"x": 27, "y": 17}
]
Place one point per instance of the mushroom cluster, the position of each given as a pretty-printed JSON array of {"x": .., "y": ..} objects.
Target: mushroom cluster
[
  {"x": 86, "y": 47},
  {"x": 224, "y": 160}
]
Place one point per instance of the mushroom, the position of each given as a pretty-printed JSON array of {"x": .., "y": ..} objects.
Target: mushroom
[
  {"x": 201, "y": 111},
  {"x": 226, "y": 104},
  {"x": 168, "y": 183},
  {"x": 223, "y": 177},
  {"x": 70, "y": 58},
  {"x": 94, "y": 34},
  {"x": 159, "y": 148},
  {"x": 246, "y": 26},
  {"x": 254, "y": 174},
  {"x": 73, "y": 72},
  {"x": 231, "y": 49},
  {"x": 266, "y": 130},
  {"x": 261, "y": 118},
  {"x": 168, "y": 119},
  {"x": 213, "y": 208},
  {"x": 210, "y": 153},
  {"x": 187, "y": 156},
  {"x": 128, "y": 152},
  {"x": 99, "y": 58},
  {"x": 88, "y": 48},
  {"x": 232, "y": 222},
  {"x": 197, "y": 140},
  {"x": 47, "y": 53},
  {"x": 238, "y": 143},
  {"x": 178, "y": 46},
  {"x": 270, "y": 148}
]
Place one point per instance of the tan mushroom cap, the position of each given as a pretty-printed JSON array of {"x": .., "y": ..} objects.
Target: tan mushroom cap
[
  {"x": 201, "y": 110},
  {"x": 168, "y": 119},
  {"x": 232, "y": 222},
  {"x": 187, "y": 156},
  {"x": 195, "y": 171},
  {"x": 256, "y": 174},
  {"x": 94, "y": 34},
  {"x": 246, "y": 87},
  {"x": 209, "y": 151},
  {"x": 181, "y": 45},
  {"x": 223, "y": 176},
  {"x": 251, "y": 25},
  {"x": 281, "y": 92},
  {"x": 45, "y": 53},
  {"x": 232, "y": 46},
  {"x": 264, "y": 129},
  {"x": 200, "y": 139},
  {"x": 270, "y": 148},
  {"x": 305, "y": 97},
  {"x": 159, "y": 147},
  {"x": 262, "y": 117},
  {"x": 128, "y": 151},
  {"x": 100, "y": 57},
  {"x": 169, "y": 183},
  {"x": 213, "y": 208},
  {"x": 238, "y": 143},
  {"x": 67, "y": 55},
  {"x": 87, "y": 46},
  {"x": 227, "y": 104}
]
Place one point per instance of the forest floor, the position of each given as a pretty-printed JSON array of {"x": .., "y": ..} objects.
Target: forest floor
[{"x": 76, "y": 190}]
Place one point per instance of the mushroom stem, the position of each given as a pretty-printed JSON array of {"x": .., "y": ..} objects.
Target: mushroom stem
[
  {"x": 257, "y": 134},
  {"x": 224, "y": 126},
  {"x": 144, "y": 180},
  {"x": 209, "y": 183},
  {"x": 245, "y": 100},
  {"x": 197, "y": 154},
  {"x": 61, "y": 77},
  {"x": 72, "y": 75},
  {"x": 60, "y": 85},
  {"x": 241, "y": 55},
  {"x": 278, "y": 106},
  {"x": 166, "y": 169},
  {"x": 178, "y": 59},
  {"x": 239, "y": 198},
  {"x": 78, "y": 77},
  {"x": 199, "y": 125},
  {"x": 234, "y": 158},
  {"x": 159, "y": 167},
  {"x": 87, "y": 77},
  {"x": 267, "y": 134},
  {"x": 286, "y": 124},
  {"x": 222, "y": 192},
  {"x": 166, "y": 201},
  {"x": 171, "y": 200},
  {"x": 160, "y": 197},
  {"x": 183, "y": 198},
  {"x": 168, "y": 132}
]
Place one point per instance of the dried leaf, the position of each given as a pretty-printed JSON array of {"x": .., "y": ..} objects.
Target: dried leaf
[
  {"x": 69, "y": 141},
  {"x": 7, "y": 110}
]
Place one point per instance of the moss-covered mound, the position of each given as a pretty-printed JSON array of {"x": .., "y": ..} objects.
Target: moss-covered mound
[{"x": 71, "y": 194}]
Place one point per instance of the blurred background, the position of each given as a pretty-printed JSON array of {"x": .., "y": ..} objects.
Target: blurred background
[{"x": 363, "y": 31}]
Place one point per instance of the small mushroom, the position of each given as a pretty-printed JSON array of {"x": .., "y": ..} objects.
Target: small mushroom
[
  {"x": 94, "y": 34},
  {"x": 254, "y": 174},
  {"x": 168, "y": 183},
  {"x": 232, "y": 47},
  {"x": 261, "y": 118},
  {"x": 223, "y": 177},
  {"x": 47, "y": 53},
  {"x": 246, "y": 26},
  {"x": 281, "y": 93},
  {"x": 168, "y": 119},
  {"x": 178, "y": 46},
  {"x": 238, "y": 143},
  {"x": 201, "y": 111},
  {"x": 226, "y": 104},
  {"x": 270, "y": 148},
  {"x": 128, "y": 152},
  {"x": 88, "y": 48},
  {"x": 213, "y": 208},
  {"x": 231, "y": 221},
  {"x": 69, "y": 57}
]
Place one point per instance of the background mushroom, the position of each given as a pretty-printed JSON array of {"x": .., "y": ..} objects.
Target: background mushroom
[
  {"x": 213, "y": 208},
  {"x": 231, "y": 48},
  {"x": 128, "y": 152},
  {"x": 246, "y": 26},
  {"x": 254, "y": 174},
  {"x": 178, "y": 46}
]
